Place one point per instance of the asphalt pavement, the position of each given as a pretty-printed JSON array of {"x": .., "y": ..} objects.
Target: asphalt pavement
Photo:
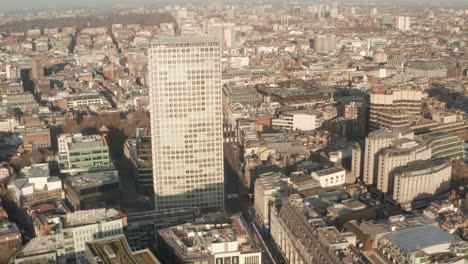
[
  {"x": 233, "y": 183},
  {"x": 243, "y": 204}
]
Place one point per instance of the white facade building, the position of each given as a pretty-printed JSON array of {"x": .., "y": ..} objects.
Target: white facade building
[
  {"x": 226, "y": 32},
  {"x": 216, "y": 240},
  {"x": 43, "y": 248},
  {"x": 268, "y": 188},
  {"x": 78, "y": 152},
  {"x": 444, "y": 117},
  {"x": 401, "y": 153},
  {"x": 304, "y": 120},
  {"x": 186, "y": 120},
  {"x": 85, "y": 99},
  {"x": 394, "y": 108},
  {"x": 330, "y": 177},
  {"x": 421, "y": 180},
  {"x": 76, "y": 229},
  {"x": 376, "y": 141},
  {"x": 8, "y": 125},
  {"x": 324, "y": 43},
  {"x": 403, "y": 23},
  {"x": 88, "y": 225},
  {"x": 36, "y": 185},
  {"x": 334, "y": 9}
]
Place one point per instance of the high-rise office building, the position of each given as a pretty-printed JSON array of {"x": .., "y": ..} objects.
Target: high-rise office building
[
  {"x": 334, "y": 9},
  {"x": 444, "y": 145},
  {"x": 401, "y": 152},
  {"x": 186, "y": 122},
  {"x": 403, "y": 23},
  {"x": 421, "y": 181},
  {"x": 376, "y": 141},
  {"x": 226, "y": 32},
  {"x": 394, "y": 108},
  {"x": 324, "y": 43},
  {"x": 37, "y": 69}
]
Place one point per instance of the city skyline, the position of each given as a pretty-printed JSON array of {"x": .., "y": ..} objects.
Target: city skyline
[
  {"x": 234, "y": 132},
  {"x": 50, "y": 4}
]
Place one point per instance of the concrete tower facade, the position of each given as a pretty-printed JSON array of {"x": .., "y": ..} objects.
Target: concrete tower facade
[
  {"x": 376, "y": 141},
  {"x": 186, "y": 122}
]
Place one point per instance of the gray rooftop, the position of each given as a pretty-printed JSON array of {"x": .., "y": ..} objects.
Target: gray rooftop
[
  {"x": 83, "y": 97},
  {"x": 184, "y": 39},
  {"x": 417, "y": 238},
  {"x": 383, "y": 133},
  {"x": 39, "y": 172},
  {"x": 438, "y": 134},
  {"x": 41, "y": 245},
  {"x": 36, "y": 171},
  {"x": 92, "y": 179},
  {"x": 271, "y": 181},
  {"x": 422, "y": 167},
  {"x": 7, "y": 227},
  {"x": 87, "y": 145},
  {"x": 88, "y": 217}
]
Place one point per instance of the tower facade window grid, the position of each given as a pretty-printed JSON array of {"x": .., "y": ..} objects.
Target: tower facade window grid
[{"x": 186, "y": 120}]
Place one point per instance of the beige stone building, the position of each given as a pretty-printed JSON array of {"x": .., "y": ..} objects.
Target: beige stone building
[
  {"x": 295, "y": 236},
  {"x": 376, "y": 141},
  {"x": 401, "y": 152},
  {"x": 394, "y": 108},
  {"x": 421, "y": 180},
  {"x": 269, "y": 187},
  {"x": 356, "y": 162}
]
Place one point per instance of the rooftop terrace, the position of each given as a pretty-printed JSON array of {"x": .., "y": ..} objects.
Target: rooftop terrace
[{"x": 203, "y": 239}]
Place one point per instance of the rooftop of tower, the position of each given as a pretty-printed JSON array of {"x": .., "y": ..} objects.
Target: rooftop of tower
[{"x": 184, "y": 39}]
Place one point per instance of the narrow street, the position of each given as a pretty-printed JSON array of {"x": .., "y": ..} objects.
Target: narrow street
[
  {"x": 233, "y": 183},
  {"x": 243, "y": 204}
]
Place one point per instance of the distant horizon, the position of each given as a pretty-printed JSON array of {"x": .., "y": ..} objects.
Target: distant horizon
[{"x": 20, "y": 5}]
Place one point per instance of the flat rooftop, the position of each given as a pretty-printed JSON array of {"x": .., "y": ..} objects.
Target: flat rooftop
[
  {"x": 78, "y": 141},
  {"x": 151, "y": 215},
  {"x": 145, "y": 257},
  {"x": 184, "y": 39},
  {"x": 99, "y": 143},
  {"x": 346, "y": 208},
  {"x": 422, "y": 167},
  {"x": 305, "y": 112},
  {"x": 417, "y": 238},
  {"x": 83, "y": 97},
  {"x": 111, "y": 250},
  {"x": 41, "y": 245},
  {"x": 331, "y": 235},
  {"x": 36, "y": 170},
  {"x": 384, "y": 133},
  {"x": 92, "y": 179},
  {"x": 271, "y": 181},
  {"x": 7, "y": 227},
  {"x": 438, "y": 134},
  {"x": 284, "y": 93},
  {"x": 40, "y": 131},
  {"x": 87, "y": 217},
  {"x": 329, "y": 171},
  {"x": 205, "y": 238}
]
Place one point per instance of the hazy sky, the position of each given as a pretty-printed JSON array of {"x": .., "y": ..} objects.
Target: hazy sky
[
  {"x": 6, "y": 5},
  {"x": 50, "y": 4}
]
